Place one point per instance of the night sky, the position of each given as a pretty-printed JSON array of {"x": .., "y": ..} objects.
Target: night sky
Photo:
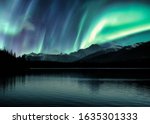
[{"x": 55, "y": 26}]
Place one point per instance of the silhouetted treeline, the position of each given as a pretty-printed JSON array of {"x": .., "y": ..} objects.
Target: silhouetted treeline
[
  {"x": 6, "y": 55},
  {"x": 9, "y": 63}
]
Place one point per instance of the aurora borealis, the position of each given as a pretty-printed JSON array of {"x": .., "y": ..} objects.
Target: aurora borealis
[{"x": 55, "y": 26}]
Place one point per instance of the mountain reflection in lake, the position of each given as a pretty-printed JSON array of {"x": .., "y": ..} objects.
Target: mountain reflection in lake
[{"x": 73, "y": 89}]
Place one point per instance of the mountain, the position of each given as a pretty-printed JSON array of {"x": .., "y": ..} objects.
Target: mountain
[
  {"x": 134, "y": 55},
  {"x": 109, "y": 56},
  {"x": 75, "y": 56},
  {"x": 106, "y": 55},
  {"x": 49, "y": 57},
  {"x": 104, "y": 48}
]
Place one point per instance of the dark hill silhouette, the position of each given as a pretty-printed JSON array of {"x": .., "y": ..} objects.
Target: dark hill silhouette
[{"x": 136, "y": 55}]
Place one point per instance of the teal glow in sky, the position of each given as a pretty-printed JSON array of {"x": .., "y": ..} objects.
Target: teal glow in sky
[{"x": 56, "y": 26}]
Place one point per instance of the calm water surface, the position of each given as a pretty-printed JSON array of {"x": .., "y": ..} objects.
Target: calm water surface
[{"x": 73, "y": 89}]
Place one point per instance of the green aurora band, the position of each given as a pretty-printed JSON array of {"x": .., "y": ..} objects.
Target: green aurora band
[{"x": 114, "y": 24}]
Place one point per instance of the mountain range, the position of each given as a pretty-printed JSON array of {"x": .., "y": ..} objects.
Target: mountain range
[
  {"x": 106, "y": 55},
  {"x": 74, "y": 56},
  {"x": 96, "y": 56}
]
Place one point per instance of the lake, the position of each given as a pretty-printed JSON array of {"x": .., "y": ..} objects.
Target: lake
[{"x": 73, "y": 88}]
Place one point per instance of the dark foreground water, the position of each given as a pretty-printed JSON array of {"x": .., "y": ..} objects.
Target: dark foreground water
[{"x": 73, "y": 89}]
